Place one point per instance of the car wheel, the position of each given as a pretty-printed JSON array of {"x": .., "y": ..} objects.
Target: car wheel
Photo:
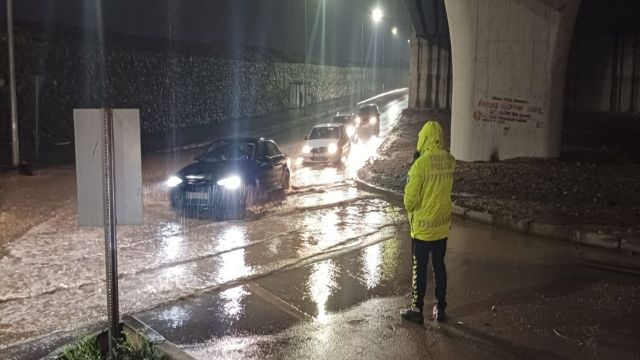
[
  {"x": 286, "y": 180},
  {"x": 253, "y": 194},
  {"x": 338, "y": 160}
]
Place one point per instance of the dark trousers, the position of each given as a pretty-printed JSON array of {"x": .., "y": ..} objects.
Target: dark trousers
[{"x": 420, "y": 250}]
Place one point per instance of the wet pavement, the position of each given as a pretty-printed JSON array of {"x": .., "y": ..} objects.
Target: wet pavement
[
  {"x": 511, "y": 296},
  {"x": 320, "y": 273},
  {"x": 53, "y": 274}
]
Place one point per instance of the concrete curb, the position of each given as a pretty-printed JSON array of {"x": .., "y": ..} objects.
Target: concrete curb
[
  {"x": 136, "y": 327},
  {"x": 622, "y": 252},
  {"x": 394, "y": 197}
]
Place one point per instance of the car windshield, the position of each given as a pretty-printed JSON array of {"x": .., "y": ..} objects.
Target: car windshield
[
  {"x": 367, "y": 110},
  {"x": 325, "y": 133},
  {"x": 226, "y": 151}
]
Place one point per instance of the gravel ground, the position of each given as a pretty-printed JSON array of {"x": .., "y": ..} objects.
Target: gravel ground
[{"x": 594, "y": 183}]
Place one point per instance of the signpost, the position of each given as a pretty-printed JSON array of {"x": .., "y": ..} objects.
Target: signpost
[{"x": 109, "y": 185}]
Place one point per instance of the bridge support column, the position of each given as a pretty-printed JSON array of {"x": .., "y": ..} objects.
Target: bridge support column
[
  {"x": 430, "y": 69},
  {"x": 509, "y": 62}
]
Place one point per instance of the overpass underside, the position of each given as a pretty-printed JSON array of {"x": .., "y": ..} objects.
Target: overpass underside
[
  {"x": 508, "y": 59},
  {"x": 501, "y": 66}
]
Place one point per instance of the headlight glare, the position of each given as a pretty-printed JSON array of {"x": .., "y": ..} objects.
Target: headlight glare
[
  {"x": 173, "y": 181},
  {"x": 306, "y": 149},
  {"x": 333, "y": 148},
  {"x": 373, "y": 120},
  {"x": 231, "y": 182},
  {"x": 358, "y": 120},
  {"x": 350, "y": 130}
]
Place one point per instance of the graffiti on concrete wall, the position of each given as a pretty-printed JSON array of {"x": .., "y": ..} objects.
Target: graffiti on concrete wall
[{"x": 508, "y": 111}]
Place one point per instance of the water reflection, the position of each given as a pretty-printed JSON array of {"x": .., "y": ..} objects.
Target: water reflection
[
  {"x": 320, "y": 285},
  {"x": 391, "y": 259},
  {"x": 232, "y": 264},
  {"x": 233, "y": 307},
  {"x": 175, "y": 316},
  {"x": 360, "y": 153},
  {"x": 172, "y": 240},
  {"x": 374, "y": 218},
  {"x": 394, "y": 110},
  {"x": 372, "y": 260}
]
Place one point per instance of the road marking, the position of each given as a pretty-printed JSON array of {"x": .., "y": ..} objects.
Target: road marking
[{"x": 278, "y": 302}]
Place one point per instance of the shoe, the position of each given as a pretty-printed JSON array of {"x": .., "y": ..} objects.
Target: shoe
[
  {"x": 439, "y": 314},
  {"x": 413, "y": 315}
]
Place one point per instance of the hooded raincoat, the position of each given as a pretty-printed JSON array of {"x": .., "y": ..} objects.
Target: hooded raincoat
[{"x": 427, "y": 195}]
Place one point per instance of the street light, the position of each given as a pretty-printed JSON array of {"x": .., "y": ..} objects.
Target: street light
[
  {"x": 376, "y": 15},
  {"x": 394, "y": 30}
]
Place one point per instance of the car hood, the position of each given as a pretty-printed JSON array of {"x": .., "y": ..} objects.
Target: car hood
[
  {"x": 201, "y": 170},
  {"x": 315, "y": 143}
]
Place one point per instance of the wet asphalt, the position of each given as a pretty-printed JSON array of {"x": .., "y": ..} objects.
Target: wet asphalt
[{"x": 320, "y": 273}]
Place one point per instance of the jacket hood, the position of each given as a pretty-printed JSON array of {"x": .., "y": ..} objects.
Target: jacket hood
[{"x": 430, "y": 138}]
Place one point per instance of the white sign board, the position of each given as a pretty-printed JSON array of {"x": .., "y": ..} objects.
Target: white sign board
[{"x": 89, "y": 147}]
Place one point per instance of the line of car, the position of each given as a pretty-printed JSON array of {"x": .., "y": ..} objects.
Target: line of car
[
  {"x": 330, "y": 143},
  {"x": 232, "y": 173}
]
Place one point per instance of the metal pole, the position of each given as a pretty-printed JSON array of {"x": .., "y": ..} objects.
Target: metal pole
[
  {"x": 37, "y": 127},
  {"x": 305, "y": 57},
  {"x": 384, "y": 34},
  {"x": 15, "y": 145},
  {"x": 110, "y": 236},
  {"x": 361, "y": 56},
  {"x": 398, "y": 41}
]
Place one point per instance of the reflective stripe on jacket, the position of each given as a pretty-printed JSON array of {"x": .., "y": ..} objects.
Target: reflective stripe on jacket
[{"x": 427, "y": 195}]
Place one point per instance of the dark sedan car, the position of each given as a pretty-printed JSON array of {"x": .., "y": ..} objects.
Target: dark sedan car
[
  {"x": 229, "y": 175},
  {"x": 368, "y": 119},
  {"x": 349, "y": 122}
]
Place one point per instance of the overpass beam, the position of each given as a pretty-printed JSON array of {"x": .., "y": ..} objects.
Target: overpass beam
[{"x": 509, "y": 64}]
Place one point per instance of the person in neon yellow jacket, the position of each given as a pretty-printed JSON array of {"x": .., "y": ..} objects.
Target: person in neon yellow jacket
[{"x": 427, "y": 199}]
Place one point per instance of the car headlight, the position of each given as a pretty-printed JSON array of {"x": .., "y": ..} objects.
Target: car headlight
[
  {"x": 333, "y": 148},
  {"x": 231, "y": 182},
  {"x": 350, "y": 130},
  {"x": 358, "y": 120},
  {"x": 306, "y": 149},
  {"x": 173, "y": 181},
  {"x": 373, "y": 120}
]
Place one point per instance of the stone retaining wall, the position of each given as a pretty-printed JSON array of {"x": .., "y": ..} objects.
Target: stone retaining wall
[{"x": 175, "y": 85}]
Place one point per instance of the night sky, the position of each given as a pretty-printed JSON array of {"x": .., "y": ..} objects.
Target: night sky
[{"x": 266, "y": 24}]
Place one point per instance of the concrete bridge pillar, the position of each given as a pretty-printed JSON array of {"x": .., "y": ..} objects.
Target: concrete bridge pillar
[
  {"x": 509, "y": 62},
  {"x": 430, "y": 72}
]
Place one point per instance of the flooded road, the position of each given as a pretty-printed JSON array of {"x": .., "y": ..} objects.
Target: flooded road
[
  {"x": 53, "y": 275},
  {"x": 319, "y": 273}
]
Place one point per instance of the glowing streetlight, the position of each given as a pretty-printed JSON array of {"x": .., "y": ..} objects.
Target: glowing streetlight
[
  {"x": 394, "y": 30},
  {"x": 376, "y": 15}
]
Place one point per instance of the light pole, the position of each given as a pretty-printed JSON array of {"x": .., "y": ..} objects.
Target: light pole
[
  {"x": 376, "y": 16},
  {"x": 394, "y": 31},
  {"x": 15, "y": 146},
  {"x": 305, "y": 59},
  {"x": 361, "y": 56},
  {"x": 384, "y": 34}
]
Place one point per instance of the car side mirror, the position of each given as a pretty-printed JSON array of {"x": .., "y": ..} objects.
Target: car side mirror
[{"x": 306, "y": 137}]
